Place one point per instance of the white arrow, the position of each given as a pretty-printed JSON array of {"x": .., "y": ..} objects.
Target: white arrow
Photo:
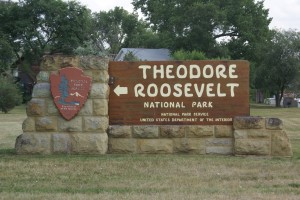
[{"x": 121, "y": 90}]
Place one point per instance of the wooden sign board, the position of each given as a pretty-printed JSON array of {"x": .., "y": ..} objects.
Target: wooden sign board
[{"x": 209, "y": 92}]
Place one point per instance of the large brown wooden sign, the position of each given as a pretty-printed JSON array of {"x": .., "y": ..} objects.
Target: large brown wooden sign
[{"x": 178, "y": 92}]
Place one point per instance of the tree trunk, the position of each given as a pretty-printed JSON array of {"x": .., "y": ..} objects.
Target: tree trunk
[{"x": 278, "y": 98}]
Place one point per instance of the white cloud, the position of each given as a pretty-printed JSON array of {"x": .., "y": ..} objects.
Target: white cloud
[
  {"x": 285, "y": 13},
  {"x": 105, "y": 5}
]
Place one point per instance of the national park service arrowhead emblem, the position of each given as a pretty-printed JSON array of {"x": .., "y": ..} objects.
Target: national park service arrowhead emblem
[{"x": 70, "y": 88}]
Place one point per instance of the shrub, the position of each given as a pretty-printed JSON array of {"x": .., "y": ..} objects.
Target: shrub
[
  {"x": 189, "y": 55},
  {"x": 10, "y": 95},
  {"x": 130, "y": 56}
]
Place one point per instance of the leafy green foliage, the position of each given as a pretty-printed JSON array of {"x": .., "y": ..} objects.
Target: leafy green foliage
[
  {"x": 201, "y": 25},
  {"x": 188, "y": 55},
  {"x": 281, "y": 65},
  {"x": 130, "y": 56},
  {"x": 6, "y": 55},
  {"x": 9, "y": 94},
  {"x": 117, "y": 28},
  {"x": 31, "y": 28},
  {"x": 34, "y": 27}
]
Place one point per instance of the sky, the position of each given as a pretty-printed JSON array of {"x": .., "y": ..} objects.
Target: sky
[{"x": 285, "y": 13}]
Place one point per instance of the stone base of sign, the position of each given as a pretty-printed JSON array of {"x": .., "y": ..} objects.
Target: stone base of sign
[
  {"x": 260, "y": 136},
  {"x": 46, "y": 132},
  {"x": 248, "y": 136}
]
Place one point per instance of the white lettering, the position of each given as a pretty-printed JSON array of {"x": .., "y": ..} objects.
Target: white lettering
[
  {"x": 187, "y": 89},
  {"x": 209, "y": 90},
  {"x": 138, "y": 90},
  {"x": 196, "y": 69},
  {"x": 144, "y": 68},
  {"x": 169, "y": 70},
  {"x": 232, "y": 68},
  {"x": 220, "y": 71},
  {"x": 154, "y": 88},
  {"x": 219, "y": 93},
  {"x": 182, "y": 68},
  {"x": 177, "y": 88},
  {"x": 206, "y": 74},
  {"x": 199, "y": 92},
  {"x": 232, "y": 86},
  {"x": 158, "y": 71},
  {"x": 162, "y": 89}
]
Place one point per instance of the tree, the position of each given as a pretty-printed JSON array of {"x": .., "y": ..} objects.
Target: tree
[
  {"x": 33, "y": 27},
  {"x": 202, "y": 24},
  {"x": 118, "y": 28},
  {"x": 281, "y": 64},
  {"x": 188, "y": 55},
  {"x": 7, "y": 56},
  {"x": 9, "y": 94}
]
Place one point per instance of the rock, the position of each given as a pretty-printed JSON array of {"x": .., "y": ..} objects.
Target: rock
[
  {"x": 89, "y": 143},
  {"x": 94, "y": 62},
  {"x": 74, "y": 125},
  {"x": 223, "y": 131},
  {"x": 61, "y": 143},
  {"x": 28, "y": 125},
  {"x": 189, "y": 145},
  {"x": 155, "y": 146},
  {"x": 281, "y": 145},
  {"x": 248, "y": 122},
  {"x": 100, "y": 76},
  {"x": 252, "y": 147},
  {"x": 251, "y": 133},
  {"x": 145, "y": 131},
  {"x": 95, "y": 124},
  {"x": 87, "y": 108},
  {"x": 172, "y": 131},
  {"x": 52, "y": 109},
  {"x": 99, "y": 90},
  {"x": 122, "y": 145},
  {"x": 116, "y": 131},
  {"x": 36, "y": 107},
  {"x": 33, "y": 144},
  {"x": 41, "y": 90},
  {"x": 43, "y": 76},
  {"x": 45, "y": 124},
  {"x": 219, "y": 150},
  {"x": 100, "y": 107},
  {"x": 200, "y": 131},
  {"x": 274, "y": 124},
  {"x": 219, "y": 142}
]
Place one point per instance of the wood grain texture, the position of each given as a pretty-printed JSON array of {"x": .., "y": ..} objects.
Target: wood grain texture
[{"x": 208, "y": 92}]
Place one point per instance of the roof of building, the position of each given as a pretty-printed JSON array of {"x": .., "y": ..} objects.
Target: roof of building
[{"x": 144, "y": 54}]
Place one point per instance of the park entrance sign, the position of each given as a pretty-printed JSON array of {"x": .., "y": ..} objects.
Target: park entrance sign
[
  {"x": 100, "y": 107},
  {"x": 209, "y": 92}
]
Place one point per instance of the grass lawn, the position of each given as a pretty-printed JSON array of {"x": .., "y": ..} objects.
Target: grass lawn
[{"x": 149, "y": 176}]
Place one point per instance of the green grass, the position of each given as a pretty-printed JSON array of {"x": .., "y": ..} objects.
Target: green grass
[{"x": 148, "y": 176}]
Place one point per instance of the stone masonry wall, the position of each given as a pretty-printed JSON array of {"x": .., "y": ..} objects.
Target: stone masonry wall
[
  {"x": 46, "y": 132},
  {"x": 171, "y": 139},
  {"x": 248, "y": 136},
  {"x": 260, "y": 136}
]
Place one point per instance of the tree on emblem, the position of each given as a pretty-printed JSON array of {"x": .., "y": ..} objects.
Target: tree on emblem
[{"x": 64, "y": 91}]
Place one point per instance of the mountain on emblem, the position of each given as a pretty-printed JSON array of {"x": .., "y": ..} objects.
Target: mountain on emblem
[{"x": 70, "y": 90}]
